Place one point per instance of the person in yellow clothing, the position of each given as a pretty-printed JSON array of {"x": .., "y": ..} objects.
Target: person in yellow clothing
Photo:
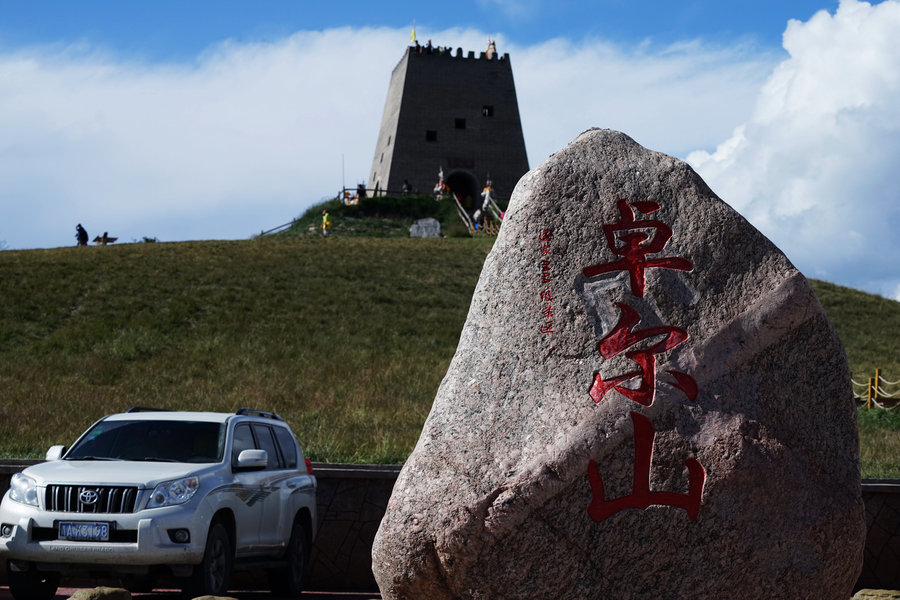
[{"x": 326, "y": 223}]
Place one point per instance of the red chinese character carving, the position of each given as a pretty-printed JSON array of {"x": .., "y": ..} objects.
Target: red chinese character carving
[
  {"x": 630, "y": 239},
  {"x": 546, "y": 296},
  {"x": 622, "y": 337},
  {"x": 545, "y": 235},
  {"x": 641, "y": 497},
  {"x": 547, "y": 327}
]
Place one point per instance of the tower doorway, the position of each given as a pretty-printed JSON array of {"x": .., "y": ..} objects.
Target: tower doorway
[{"x": 464, "y": 187}]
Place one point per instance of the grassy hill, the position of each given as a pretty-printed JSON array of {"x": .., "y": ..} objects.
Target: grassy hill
[
  {"x": 347, "y": 337},
  {"x": 381, "y": 216}
]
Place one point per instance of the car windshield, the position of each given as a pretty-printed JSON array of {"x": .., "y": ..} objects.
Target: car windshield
[{"x": 153, "y": 440}]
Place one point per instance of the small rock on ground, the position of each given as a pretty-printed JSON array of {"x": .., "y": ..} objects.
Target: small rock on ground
[{"x": 102, "y": 593}]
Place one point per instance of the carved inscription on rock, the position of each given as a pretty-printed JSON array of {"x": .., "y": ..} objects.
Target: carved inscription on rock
[
  {"x": 545, "y": 236},
  {"x": 637, "y": 240}
]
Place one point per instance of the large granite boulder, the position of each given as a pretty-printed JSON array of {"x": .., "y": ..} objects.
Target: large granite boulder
[{"x": 647, "y": 401}]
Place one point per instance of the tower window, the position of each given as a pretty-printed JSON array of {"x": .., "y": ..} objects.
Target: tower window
[
  {"x": 460, "y": 123},
  {"x": 487, "y": 110},
  {"x": 431, "y": 135}
]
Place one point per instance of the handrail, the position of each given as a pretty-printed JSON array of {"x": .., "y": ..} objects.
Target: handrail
[
  {"x": 495, "y": 210},
  {"x": 278, "y": 229},
  {"x": 464, "y": 216}
]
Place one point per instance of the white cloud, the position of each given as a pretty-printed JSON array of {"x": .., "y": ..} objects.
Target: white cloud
[
  {"x": 814, "y": 167},
  {"x": 242, "y": 140},
  {"x": 673, "y": 99},
  {"x": 247, "y": 136}
]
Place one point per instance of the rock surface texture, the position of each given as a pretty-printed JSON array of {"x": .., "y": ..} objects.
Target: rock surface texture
[
  {"x": 647, "y": 401},
  {"x": 101, "y": 593},
  {"x": 425, "y": 228}
]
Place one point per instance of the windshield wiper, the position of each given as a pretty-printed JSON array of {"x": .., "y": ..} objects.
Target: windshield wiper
[
  {"x": 155, "y": 459},
  {"x": 91, "y": 458}
]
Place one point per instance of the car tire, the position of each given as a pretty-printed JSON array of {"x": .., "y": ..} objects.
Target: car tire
[
  {"x": 32, "y": 584},
  {"x": 212, "y": 576},
  {"x": 289, "y": 581}
]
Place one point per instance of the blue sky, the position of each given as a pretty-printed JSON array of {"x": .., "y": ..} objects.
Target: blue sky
[
  {"x": 218, "y": 120},
  {"x": 178, "y": 30}
]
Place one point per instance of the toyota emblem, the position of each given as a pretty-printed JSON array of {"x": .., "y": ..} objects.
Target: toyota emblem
[{"x": 88, "y": 496}]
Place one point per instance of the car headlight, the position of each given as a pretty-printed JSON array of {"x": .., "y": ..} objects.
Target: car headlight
[
  {"x": 22, "y": 489},
  {"x": 171, "y": 493}
]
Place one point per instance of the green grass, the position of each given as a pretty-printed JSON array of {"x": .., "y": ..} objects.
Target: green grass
[
  {"x": 879, "y": 434},
  {"x": 348, "y": 337},
  {"x": 869, "y": 327},
  {"x": 381, "y": 216}
]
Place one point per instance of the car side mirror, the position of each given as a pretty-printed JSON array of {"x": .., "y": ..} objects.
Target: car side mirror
[
  {"x": 250, "y": 460},
  {"x": 55, "y": 453}
]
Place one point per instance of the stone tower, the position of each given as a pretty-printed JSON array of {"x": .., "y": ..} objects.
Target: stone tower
[{"x": 454, "y": 113}]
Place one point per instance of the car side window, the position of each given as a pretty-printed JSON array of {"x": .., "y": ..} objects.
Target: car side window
[
  {"x": 267, "y": 442},
  {"x": 243, "y": 440},
  {"x": 288, "y": 447}
]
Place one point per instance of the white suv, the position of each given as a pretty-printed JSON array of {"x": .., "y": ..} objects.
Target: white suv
[{"x": 147, "y": 495}]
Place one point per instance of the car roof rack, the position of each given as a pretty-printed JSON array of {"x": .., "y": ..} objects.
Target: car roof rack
[
  {"x": 135, "y": 409},
  {"x": 252, "y": 412}
]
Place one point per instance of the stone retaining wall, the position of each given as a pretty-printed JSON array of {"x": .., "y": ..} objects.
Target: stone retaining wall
[
  {"x": 352, "y": 500},
  {"x": 881, "y": 566}
]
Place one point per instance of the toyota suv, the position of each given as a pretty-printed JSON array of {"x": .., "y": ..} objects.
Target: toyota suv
[{"x": 148, "y": 495}]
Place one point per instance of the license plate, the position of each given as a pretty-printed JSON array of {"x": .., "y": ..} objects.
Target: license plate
[{"x": 84, "y": 531}]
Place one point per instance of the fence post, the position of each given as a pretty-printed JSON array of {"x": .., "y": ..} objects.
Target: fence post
[
  {"x": 869, "y": 399},
  {"x": 877, "y": 379}
]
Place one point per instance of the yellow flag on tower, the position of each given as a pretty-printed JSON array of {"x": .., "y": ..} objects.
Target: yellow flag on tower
[{"x": 412, "y": 36}]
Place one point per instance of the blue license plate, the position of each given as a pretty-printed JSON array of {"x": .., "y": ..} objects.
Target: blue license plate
[{"x": 84, "y": 531}]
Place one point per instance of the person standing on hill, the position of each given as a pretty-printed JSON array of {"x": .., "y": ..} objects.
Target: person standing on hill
[
  {"x": 81, "y": 235},
  {"x": 326, "y": 223}
]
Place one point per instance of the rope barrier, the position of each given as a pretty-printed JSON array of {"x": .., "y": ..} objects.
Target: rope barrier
[
  {"x": 883, "y": 406},
  {"x": 873, "y": 394}
]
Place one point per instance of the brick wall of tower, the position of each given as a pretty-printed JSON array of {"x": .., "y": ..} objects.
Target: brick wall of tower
[{"x": 450, "y": 111}]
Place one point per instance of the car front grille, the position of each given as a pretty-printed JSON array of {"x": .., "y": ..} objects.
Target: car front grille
[{"x": 90, "y": 499}]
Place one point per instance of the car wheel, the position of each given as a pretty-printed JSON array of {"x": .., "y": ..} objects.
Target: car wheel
[
  {"x": 212, "y": 575},
  {"x": 289, "y": 580},
  {"x": 32, "y": 584}
]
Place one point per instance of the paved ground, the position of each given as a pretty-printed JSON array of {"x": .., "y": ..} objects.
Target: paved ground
[{"x": 65, "y": 593}]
